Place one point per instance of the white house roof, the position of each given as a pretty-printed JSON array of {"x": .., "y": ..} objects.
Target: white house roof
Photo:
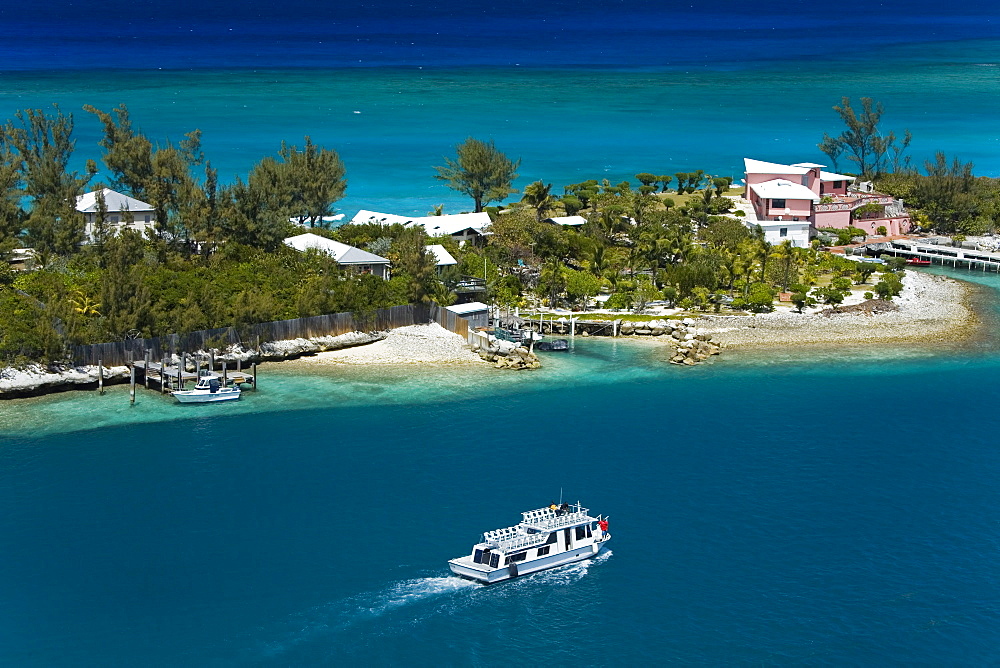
[
  {"x": 327, "y": 220},
  {"x": 471, "y": 307},
  {"x": 342, "y": 253},
  {"x": 113, "y": 201},
  {"x": 783, "y": 189},
  {"x": 807, "y": 165},
  {"x": 567, "y": 220},
  {"x": 365, "y": 216},
  {"x": 761, "y": 167},
  {"x": 441, "y": 254},
  {"x": 831, "y": 176},
  {"x": 435, "y": 225}
]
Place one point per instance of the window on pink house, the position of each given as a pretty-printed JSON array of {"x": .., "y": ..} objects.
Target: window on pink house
[{"x": 777, "y": 204}]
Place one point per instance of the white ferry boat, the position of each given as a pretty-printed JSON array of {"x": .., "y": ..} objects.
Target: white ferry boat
[{"x": 545, "y": 538}]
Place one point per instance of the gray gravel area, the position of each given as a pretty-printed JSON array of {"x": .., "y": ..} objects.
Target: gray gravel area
[{"x": 930, "y": 308}]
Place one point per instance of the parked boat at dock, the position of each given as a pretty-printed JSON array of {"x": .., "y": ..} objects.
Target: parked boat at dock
[
  {"x": 208, "y": 389},
  {"x": 553, "y": 345},
  {"x": 545, "y": 538}
]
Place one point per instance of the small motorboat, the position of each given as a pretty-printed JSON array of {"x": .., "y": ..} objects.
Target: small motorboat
[
  {"x": 208, "y": 389},
  {"x": 545, "y": 538},
  {"x": 918, "y": 262},
  {"x": 552, "y": 345}
]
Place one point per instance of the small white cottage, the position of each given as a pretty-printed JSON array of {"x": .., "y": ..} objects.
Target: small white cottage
[{"x": 361, "y": 261}]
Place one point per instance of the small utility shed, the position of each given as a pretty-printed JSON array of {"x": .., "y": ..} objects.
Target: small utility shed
[
  {"x": 360, "y": 260},
  {"x": 477, "y": 313}
]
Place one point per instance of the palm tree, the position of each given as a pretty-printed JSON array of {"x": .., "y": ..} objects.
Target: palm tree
[
  {"x": 786, "y": 256},
  {"x": 553, "y": 277},
  {"x": 538, "y": 195},
  {"x": 598, "y": 261},
  {"x": 438, "y": 210},
  {"x": 83, "y": 305}
]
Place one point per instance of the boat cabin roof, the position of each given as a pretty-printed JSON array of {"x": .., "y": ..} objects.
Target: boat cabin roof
[
  {"x": 535, "y": 528},
  {"x": 551, "y": 519}
]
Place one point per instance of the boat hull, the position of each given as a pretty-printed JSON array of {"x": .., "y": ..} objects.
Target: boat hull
[
  {"x": 191, "y": 397},
  {"x": 466, "y": 568}
]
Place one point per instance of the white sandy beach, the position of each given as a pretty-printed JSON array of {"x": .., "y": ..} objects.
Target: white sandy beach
[{"x": 428, "y": 344}]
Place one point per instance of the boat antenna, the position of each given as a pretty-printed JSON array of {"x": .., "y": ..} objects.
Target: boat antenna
[{"x": 560, "y": 496}]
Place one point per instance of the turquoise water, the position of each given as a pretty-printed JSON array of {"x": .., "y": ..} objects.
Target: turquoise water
[
  {"x": 834, "y": 506},
  {"x": 815, "y": 505},
  {"x": 393, "y": 125}
]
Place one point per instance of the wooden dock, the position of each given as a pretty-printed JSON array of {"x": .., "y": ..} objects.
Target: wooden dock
[
  {"x": 168, "y": 378},
  {"x": 948, "y": 256}
]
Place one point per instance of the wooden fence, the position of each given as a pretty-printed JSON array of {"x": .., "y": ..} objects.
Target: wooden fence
[{"x": 334, "y": 324}]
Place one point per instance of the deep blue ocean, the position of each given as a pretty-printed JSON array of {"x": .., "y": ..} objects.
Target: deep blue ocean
[{"x": 813, "y": 506}]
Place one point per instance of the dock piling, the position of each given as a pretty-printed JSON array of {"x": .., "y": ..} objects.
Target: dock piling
[
  {"x": 100, "y": 376},
  {"x": 131, "y": 386},
  {"x": 145, "y": 367},
  {"x": 254, "y": 369}
]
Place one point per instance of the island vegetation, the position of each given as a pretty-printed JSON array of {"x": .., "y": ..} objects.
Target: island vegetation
[{"x": 216, "y": 259}]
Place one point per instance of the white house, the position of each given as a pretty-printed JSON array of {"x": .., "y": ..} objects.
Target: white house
[
  {"x": 462, "y": 227},
  {"x": 361, "y": 261},
  {"x": 121, "y": 212},
  {"x": 441, "y": 255}
]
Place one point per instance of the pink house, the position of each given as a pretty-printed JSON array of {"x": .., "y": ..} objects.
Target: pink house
[{"x": 805, "y": 194}]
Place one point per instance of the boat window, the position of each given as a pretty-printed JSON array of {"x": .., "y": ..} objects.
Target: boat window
[
  {"x": 478, "y": 557},
  {"x": 520, "y": 556},
  {"x": 553, "y": 537},
  {"x": 542, "y": 551},
  {"x": 581, "y": 533},
  {"x": 590, "y": 531},
  {"x": 494, "y": 560}
]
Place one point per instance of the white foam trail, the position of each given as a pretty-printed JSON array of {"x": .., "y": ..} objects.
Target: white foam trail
[
  {"x": 412, "y": 591},
  {"x": 340, "y": 615},
  {"x": 569, "y": 573}
]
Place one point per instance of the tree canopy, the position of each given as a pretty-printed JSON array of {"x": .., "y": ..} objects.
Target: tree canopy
[
  {"x": 863, "y": 142},
  {"x": 480, "y": 171}
]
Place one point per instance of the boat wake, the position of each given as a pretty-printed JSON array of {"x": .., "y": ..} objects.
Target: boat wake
[
  {"x": 338, "y": 616},
  {"x": 564, "y": 575},
  {"x": 323, "y": 623}
]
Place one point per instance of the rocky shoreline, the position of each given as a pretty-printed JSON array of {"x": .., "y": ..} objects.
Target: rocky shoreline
[
  {"x": 930, "y": 308},
  {"x": 36, "y": 379}
]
